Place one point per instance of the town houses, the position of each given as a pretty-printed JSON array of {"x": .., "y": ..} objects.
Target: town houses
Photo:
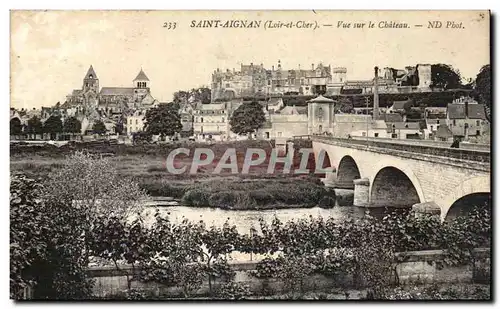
[{"x": 122, "y": 110}]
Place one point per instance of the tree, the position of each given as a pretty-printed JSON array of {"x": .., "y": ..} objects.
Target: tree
[
  {"x": 483, "y": 88},
  {"x": 247, "y": 118},
  {"x": 346, "y": 106},
  {"x": 444, "y": 76},
  {"x": 99, "y": 127},
  {"x": 53, "y": 126},
  {"x": 15, "y": 126},
  {"x": 119, "y": 126},
  {"x": 163, "y": 120},
  {"x": 45, "y": 245},
  {"x": 72, "y": 125},
  {"x": 35, "y": 126}
]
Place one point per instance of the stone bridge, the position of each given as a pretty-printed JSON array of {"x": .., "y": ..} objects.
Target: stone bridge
[{"x": 404, "y": 173}]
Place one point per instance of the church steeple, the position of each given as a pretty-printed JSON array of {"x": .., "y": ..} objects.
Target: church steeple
[
  {"x": 91, "y": 73},
  {"x": 90, "y": 81},
  {"x": 141, "y": 81}
]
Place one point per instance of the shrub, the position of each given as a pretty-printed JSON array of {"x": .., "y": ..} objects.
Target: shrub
[{"x": 233, "y": 291}]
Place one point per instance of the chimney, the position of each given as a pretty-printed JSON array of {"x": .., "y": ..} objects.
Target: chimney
[
  {"x": 299, "y": 67},
  {"x": 375, "y": 96},
  {"x": 273, "y": 67},
  {"x": 312, "y": 66},
  {"x": 251, "y": 64}
]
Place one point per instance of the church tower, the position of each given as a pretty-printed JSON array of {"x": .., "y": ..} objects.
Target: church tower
[
  {"x": 90, "y": 81},
  {"x": 141, "y": 86}
]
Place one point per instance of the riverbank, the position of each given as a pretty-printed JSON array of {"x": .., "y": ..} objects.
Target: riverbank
[{"x": 256, "y": 190}]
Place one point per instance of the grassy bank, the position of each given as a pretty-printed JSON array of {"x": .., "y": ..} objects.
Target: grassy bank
[{"x": 258, "y": 194}]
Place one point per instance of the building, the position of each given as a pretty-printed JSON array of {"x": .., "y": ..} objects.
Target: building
[
  {"x": 110, "y": 100},
  {"x": 255, "y": 80},
  {"x": 288, "y": 122},
  {"x": 405, "y": 130},
  {"x": 135, "y": 122},
  {"x": 411, "y": 79},
  {"x": 465, "y": 118},
  {"x": 211, "y": 121}
]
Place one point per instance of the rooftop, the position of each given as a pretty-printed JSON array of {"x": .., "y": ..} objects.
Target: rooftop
[
  {"x": 117, "y": 91},
  {"x": 457, "y": 111}
]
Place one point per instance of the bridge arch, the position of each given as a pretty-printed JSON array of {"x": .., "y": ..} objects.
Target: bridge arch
[
  {"x": 395, "y": 187},
  {"x": 470, "y": 193},
  {"x": 347, "y": 172}
]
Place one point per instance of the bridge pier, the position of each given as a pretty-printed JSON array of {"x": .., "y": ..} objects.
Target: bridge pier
[{"x": 361, "y": 192}]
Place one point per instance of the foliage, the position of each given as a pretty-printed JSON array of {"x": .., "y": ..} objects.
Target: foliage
[
  {"x": 119, "y": 127},
  {"x": 247, "y": 118},
  {"x": 163, "y": 120},
  {"x": 445, "y": 76},
  {"x": 233, "y": 291},
  {"x": 53, "y": 125},
  {"x": 72, "y": 125},
  {"x": 94, "y": 185},
  {"x": 116, "y": 239},
  {"x": 45, "y": 245},
  {"x": 35, "y": 126},
  {"x": 346, "y": 106},
  {"x": 254, "y": 194},
  {"x": 141, "y": 137},
  {"x": 99, "y": 127},
  {"x": 483, "y": 88},
  {"x": 202, "y": 94},
  {"x": 15, "y": 126}
]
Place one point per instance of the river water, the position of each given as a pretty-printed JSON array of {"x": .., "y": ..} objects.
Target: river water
[{"x": 245, "y": 219}]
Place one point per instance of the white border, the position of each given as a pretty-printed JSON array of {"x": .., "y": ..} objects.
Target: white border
[{"x": 197, "y": 5}]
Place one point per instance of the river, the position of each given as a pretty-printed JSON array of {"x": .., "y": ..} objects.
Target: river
[{"x": 245, "y": 219}]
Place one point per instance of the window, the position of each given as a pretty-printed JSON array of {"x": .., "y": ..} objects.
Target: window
[
  {"x": 478, "y": 132},
  {"x": 454, "y": 122},
  {"x": 279, "y": 134},
  {"x": 375, "y": 134},
  {"x": 267, "y": 134},
  {"x": 201, "y": 120},
  {"x": 406, "y": 126},
  {"x": 432, "y": 128},
  {"x": 363, "y": 133},
  {"x": 394, "y": 135},
  {"x": 222, "y": 119},
  {"x": 438, "y": 121},
  {"x": 136, "y": 121},
  {"x": 477, "y": 123},
  {"x": 320, "y": 128}
]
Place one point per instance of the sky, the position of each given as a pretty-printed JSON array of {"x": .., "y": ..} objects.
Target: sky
[{"x": 51, "y": 51}]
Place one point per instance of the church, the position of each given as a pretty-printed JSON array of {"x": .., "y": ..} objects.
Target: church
[{"x": 111, "y": 99}]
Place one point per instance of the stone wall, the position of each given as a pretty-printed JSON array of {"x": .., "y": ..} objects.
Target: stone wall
[{"x": 416, "y": 269}]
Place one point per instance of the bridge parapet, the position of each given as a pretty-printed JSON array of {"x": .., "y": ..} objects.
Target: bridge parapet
[{"x": 437, "y": 150}]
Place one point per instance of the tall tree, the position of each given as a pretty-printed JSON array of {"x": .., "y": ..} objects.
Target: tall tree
[
  {"x": 99, "y": 127},
  {"x": 53, "y": 126},
  {"x": 444, "y": 76},
  {"x": 483, "y": 88},
  {"x": 35, "y": 126},
  {"x": 163, "y": 120},
  {"x": 72, "y": 125},
  {"x": 247, "y": 118},
  {"x": 15, "y": 126}
]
